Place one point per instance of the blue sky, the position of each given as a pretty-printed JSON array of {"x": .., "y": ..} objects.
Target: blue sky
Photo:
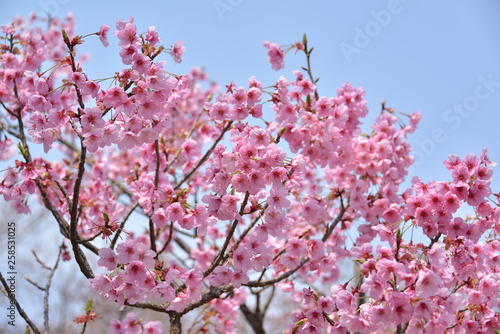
[{"x": 442, "y": 57}]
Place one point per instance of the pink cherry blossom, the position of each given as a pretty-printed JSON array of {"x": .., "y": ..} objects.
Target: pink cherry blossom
[
  {"x": 275, "y": 56},
  {"x": 136, "y": 271},
  {"x": 108, "y": 258},
  {"x": 153, "y": 327},
  {"x": 103, "y": 30},
  {"x": 222, "y": 199},
  {"x": 427, "y": 284},
  {"x": 178, "y": 50}
]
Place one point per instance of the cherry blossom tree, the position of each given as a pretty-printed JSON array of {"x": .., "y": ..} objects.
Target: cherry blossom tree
[{"x": 174, "y": 195}]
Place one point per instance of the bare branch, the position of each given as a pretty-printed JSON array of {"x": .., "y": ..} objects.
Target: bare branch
[
  {"x": 13, "y": 300},
  {"x": 33, "y": 283},
  {"x": 44, "y": 266},
  {"x": 47, "y": 289}
]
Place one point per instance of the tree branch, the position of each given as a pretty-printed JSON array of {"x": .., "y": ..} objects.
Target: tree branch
[
  {"x": 152, "y": 235},
  {"x": 205, "y": 157},
  {"x": 255, "y": 319},
  {"x": 220, "y": 255},
  {"x": 122, "y": 225},
  {"x": 74, "y": 237},
  {"x": 258, "y": 283},
  {"x": 337, "y": 220},
  {"x": 47, "y": 289},
  {"x": 213, "y": 293},
  {"x": 13, "y": 300}
]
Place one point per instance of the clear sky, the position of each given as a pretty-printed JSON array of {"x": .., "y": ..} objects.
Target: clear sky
[{"x": 442, "y": 57}]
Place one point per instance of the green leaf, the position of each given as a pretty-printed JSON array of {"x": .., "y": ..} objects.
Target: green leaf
[
  {"x": 65, "y": 37},
  {"x": 22, "y": 150},
  {"x": 88, "y": 306}
]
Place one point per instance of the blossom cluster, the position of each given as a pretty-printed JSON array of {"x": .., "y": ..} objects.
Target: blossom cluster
[
  {"x": 132, "y": 325},
  {"x": 208, "y": 198}
]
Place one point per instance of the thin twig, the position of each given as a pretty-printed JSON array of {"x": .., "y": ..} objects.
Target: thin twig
[
  {"x": 44, "y": 266},
  {"x": 308, "y": 52},
  {"x": 249, "y": 228},
  {"x": 65, "y": 194},
  {"x": 205, "y": 157},
  {"x": 34, "y": 283},
  {"x": 13, "y": 300},
  {"x": 229, "y": 236},
  {"x": 47, "y": 290},
  {"x": 187, "y": 137},
  {"x": 279, "y": 278},
  {"x": 170, "y": 234},
  {"x": 213, "y": 293},
  {"x": 332, "y": 226},
  {"x": 122, "y": 225},
  {"x": 268, "y": 303}
]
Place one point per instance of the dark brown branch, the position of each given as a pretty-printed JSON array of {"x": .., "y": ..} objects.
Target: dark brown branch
[
  {"x": 152, "y": 235},
  {"x": 92, "y": 238},
  {"x": 7, "y": 109},
  {"x": 327, "y": 318},
  {"x": 249, "y": 228},
  {"x": 185, "y": 247},
  {"x": 74, "y": 237},
  {"x": 61, "y": 189},
  {"x": 13, "y": 299},
  {"x": 337, "y": 220},
  {"x": 255, "y": 319},
  {"x": 220, "y": 256},
  {"x": 150, "y": 306},
  {"x": 170, "y": 234},
  {"x": 279, "y": 278},
  {"x": 213, "y": 293},
  {"x": 122, "y": 225},
  {"x": 308, "y": 52},
  {"x": 205, "y": 156},
  {"x": 63, "y": 225}
]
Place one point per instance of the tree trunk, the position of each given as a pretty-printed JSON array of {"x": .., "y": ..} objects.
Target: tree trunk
[{"x": 175, "y": 323}]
